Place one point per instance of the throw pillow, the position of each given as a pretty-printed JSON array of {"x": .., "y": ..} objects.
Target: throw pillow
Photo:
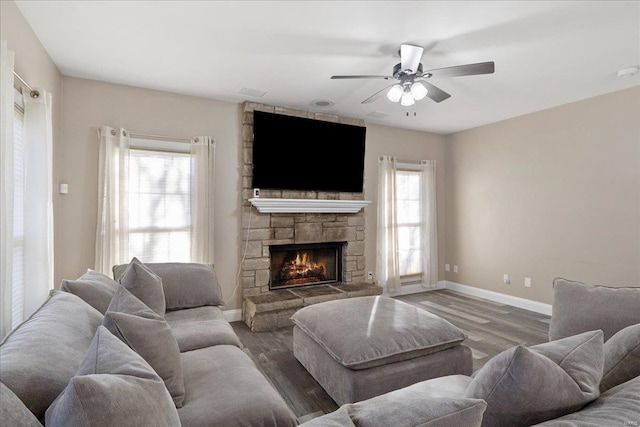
[
  {"x": 426, "y": 403},
  {"x": 579, "y": 308},
  {"x": 524, "y": 386},
  {"x": 621, "y": 357},
  {"x": 95, "y": 288},
  {"x": 145, "y": 285},
  {"x": 113, "y": 387},
  {"x": 41, "y": 355},
  {"x": 150, "y": 336},
  {"x": 13, "y": 412}
]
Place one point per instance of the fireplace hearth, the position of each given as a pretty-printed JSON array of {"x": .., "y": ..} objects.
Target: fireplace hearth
[{"x": 305, "y": 264}]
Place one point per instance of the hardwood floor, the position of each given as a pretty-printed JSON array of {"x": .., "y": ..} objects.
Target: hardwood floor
[{"x": 491, "y": 328}]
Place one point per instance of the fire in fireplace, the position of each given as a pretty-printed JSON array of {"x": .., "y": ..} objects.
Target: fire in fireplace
[{"x": 304, "y": 265}]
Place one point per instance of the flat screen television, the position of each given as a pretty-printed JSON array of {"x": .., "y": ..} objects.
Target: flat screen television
[{"x": 293, "y": 153}]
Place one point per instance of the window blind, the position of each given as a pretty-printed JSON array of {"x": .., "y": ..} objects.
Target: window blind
[
  {"x": 409, "y": 217},
  {"x": 17, "y": 286},
  {"x": 159, "y": 206}
]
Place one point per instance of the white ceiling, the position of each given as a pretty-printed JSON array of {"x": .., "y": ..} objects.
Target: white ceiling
[{"x": 546, "y": 53}]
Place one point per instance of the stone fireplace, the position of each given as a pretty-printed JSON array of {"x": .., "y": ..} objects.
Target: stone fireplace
[{"x": 270, "y": 298}]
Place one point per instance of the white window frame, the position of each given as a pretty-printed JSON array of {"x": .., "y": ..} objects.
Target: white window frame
[{"x": 415, "y": 278}]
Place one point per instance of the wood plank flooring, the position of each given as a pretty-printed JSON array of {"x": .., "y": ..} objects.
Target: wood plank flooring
[{"x": 491, "y": 328}]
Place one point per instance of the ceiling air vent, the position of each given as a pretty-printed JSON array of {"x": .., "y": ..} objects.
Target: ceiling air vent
[
  {"x": 321, "y": 103},
  {"x": 377, "y": 115},
  {"x": 252, "y": 92}
]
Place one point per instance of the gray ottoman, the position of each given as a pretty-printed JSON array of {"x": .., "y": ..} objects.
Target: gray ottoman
[{"x": 359, "y": 348}]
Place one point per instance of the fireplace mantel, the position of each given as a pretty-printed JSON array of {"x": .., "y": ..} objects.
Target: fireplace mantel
[{"x": 308, "y": 205}]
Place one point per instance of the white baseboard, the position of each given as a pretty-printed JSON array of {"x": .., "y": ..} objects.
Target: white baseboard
[
  {"x": 527, "y": 304},
  {"x": 417, "y": 288},
  {"x": 233, "y": 315}
]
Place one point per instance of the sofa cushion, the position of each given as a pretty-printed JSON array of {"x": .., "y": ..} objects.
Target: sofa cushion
[
  {"x": 365, "y": 332},
  {"x": 150, "y": 336},
  {"x": 619, "y": 406},
  {"x": 579, "y": 308},
  {"x": 621, "y": 357},
  {"x": 434, "y": 403},
  {"x": 39, "y": 357},
  {"x": 13, "y": 412},
  {"x": 114, "y": 386},
  {"x": 186, "y": 285},
  {"x": 524, "y": 386},
  {"x": 224, "y": 385},
  {"x": 145, "y": 285},
  {"x": 201, "y": 327},
  {"x": 341, "y": 417},
  {"x": 93, "y": 287}
]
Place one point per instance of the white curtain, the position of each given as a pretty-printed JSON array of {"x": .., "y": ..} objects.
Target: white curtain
[
  {"x": 6, "y": 186},
  {"x": 202, "y": 187},
  {"x": 387, "y": 265},
  {"x": 112, "y": 235},
  {"x": 38, "y": 199},
  {"x": 429, "y": 225}
]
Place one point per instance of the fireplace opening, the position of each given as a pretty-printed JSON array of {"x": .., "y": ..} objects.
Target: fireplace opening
[{"x": 305, "y": 265}]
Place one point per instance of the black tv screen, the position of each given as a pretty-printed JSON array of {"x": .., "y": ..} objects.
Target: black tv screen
[{"x": 293, "y": 153}]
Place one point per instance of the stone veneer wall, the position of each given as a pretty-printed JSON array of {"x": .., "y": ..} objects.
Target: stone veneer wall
[{"x": 283, "y": 228}]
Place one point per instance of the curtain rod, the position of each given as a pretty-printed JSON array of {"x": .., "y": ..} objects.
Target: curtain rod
[
  {"x": 159, "y": 137},
  {"x": 33, "y": 93}
]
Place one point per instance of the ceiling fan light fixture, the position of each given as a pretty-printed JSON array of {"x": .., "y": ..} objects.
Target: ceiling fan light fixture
[
  {"x": 395, "y": 93},
  {"x": 407, "y": 99},
  {"x": 418, "y": 91}
]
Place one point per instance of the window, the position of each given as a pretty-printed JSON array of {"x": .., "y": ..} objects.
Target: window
[
  {"x": 407, "y": 234},
  {"x": 409, "y": 222},
  {"x": 159, "y": 204},
  {"x": 17, "y": 286}
]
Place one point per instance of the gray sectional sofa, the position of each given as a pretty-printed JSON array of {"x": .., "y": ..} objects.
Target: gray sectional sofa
[
  {"x": 222, "y": 386},
  {"x": 69, "y": 356},
  {"x": 588, "y": 375}
]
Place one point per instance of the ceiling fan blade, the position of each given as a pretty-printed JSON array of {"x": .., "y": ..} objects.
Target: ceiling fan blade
[
  {"x": 435, "y": 93},
  {"x": 410, "y": 56},
  {"x": 462, "y": 70},
  {"x": 377, "y": 95},
  {"x": 361, "y": 77}
]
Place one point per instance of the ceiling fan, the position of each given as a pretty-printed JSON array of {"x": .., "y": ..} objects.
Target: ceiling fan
[{"x": 412, "y": 84}]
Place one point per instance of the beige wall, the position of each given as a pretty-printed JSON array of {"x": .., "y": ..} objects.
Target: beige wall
[
  {"x": 90, "y": 104},
  {"x": 404, "y": 145},
  {"x": 554, "y": 193},
  {"x": 33, "y": 64}
]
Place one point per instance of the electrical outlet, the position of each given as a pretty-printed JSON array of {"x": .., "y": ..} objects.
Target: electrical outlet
[
  {"x": 527, "y": 282},
  {"x": 370, "y": 275},
  {"x": 447, "y": 267},
  {"x": 505, "y": 279},
  {"x": 455, "y": 268}
]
